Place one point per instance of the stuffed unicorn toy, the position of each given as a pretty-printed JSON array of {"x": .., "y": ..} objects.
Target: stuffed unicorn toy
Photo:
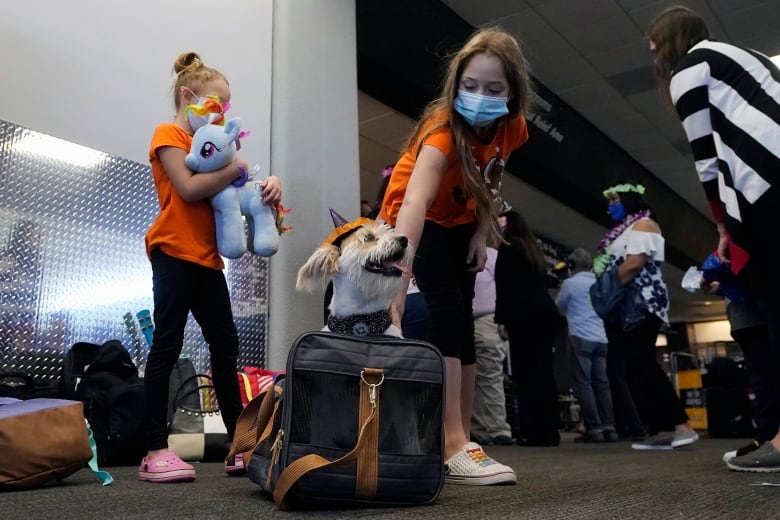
[{"x": 214, "y": 146}]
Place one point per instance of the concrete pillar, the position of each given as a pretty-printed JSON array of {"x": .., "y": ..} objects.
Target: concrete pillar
[{"x": 314, "y": 149}]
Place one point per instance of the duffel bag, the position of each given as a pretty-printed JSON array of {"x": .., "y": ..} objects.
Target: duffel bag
[{"x": 42, "y": 441}]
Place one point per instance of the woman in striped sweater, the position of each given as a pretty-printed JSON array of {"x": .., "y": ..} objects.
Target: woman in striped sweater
[{"x": 728, "y": 100}]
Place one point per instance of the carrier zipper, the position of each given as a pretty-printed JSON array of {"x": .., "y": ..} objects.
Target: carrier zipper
[{"x": 277, "y": 447}]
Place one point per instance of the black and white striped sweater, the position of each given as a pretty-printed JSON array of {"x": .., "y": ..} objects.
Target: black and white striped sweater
[{"x": 728, "y": 99}]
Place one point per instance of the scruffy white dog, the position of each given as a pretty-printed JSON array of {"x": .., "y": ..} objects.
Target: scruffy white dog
[{"x": 366, "y": 261}]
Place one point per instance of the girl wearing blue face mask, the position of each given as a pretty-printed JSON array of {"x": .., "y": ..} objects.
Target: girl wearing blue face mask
[
  {"x": 444, "y": 195},
  {"x": 634, "y": 248}
]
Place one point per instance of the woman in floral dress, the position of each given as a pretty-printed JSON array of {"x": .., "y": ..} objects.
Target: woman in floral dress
[{"x": 635, "y": 248}]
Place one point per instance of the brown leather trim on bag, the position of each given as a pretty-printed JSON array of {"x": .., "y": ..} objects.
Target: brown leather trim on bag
[
  {"x": 368, "y": 459},
  {"x": 254, "y": 425},
  {"x": 307, "y": 463}
]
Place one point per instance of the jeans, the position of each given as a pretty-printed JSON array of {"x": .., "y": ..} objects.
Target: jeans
[
  {"x": 414, "y": 322},
  {"x": 591, "y": 386}
]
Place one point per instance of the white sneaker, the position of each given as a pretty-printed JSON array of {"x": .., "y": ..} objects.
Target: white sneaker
[
  {"x": 684, "y": 438},
  {"x": 471, "y": 466},
  {"x": 729, "y": 455},
  {"x": 744, "y": 450}
]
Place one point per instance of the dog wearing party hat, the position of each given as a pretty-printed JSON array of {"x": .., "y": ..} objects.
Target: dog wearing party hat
[{"x": 366, "y": 261}]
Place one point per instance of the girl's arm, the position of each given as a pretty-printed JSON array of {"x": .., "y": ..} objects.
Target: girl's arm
[
  {"x": 196, "y": 186},
  {"x": 634, "y": 264},
  {"x": 420, "y": 192},
  {"x": 423, "y": 184},
  {"x": 477, "y": 255}
]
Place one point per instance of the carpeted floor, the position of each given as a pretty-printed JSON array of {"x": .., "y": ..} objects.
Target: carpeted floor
[{"x": 573, "y": 481}]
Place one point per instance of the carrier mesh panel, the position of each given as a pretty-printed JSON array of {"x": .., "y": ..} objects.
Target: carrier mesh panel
[
  {"x": 325, "y": 404},
  {"x": 72, "y": 258}
]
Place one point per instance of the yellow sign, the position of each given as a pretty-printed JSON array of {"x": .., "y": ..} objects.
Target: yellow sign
[{"x": 689, "y": 386}]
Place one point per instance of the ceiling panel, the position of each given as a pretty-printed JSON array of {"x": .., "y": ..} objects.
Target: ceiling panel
[
  {"x": 566, "y": 16},
  {"x": 618, "y": 59},
  {"x": 601, "y": 36},
  {"x": 476, "y": 13}
]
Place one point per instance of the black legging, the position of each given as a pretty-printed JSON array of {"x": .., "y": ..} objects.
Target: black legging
[
  {"x": 181, "y": 287},
  {"x": 659, "y": 403},
  {"x": 531, "y": 342}
]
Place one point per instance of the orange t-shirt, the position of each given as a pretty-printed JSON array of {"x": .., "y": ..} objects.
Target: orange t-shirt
[
  {"x": 452, "y": 206},
  {"x": 184, "y": 230}
]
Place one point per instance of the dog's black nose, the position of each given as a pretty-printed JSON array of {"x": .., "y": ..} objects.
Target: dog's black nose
[{"x": 403, "y": 241}]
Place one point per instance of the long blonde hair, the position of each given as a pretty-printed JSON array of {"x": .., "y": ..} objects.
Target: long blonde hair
[{"x": 492, "y": 41}]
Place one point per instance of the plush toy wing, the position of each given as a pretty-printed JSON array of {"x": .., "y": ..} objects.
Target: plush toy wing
[{"x": 213, "y": 146}]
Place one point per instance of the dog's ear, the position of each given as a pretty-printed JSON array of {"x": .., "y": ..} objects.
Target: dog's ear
[{"x": 319, "y": 266}]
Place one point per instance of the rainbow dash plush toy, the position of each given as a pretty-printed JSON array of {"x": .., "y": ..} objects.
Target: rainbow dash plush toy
[{"x": 214, "y": 146}]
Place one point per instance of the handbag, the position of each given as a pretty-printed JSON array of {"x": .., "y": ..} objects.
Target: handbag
[
  {"x": 182, "y": 371},
  {"x": 196, "y": 431},
  {"x": 615, "y": 303},
  {"x": 353, "y": 421},
  {"x": 42, "y": 441}
]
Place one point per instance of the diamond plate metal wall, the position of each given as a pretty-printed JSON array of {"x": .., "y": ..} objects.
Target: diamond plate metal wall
[{"x": 72, "y": 258}]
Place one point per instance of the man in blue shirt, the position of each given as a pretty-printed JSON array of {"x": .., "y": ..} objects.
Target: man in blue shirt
[{"x": 587, "y": 350}]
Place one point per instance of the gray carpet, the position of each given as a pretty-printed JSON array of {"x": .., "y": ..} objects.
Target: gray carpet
[{"x": 573, "y": 481}]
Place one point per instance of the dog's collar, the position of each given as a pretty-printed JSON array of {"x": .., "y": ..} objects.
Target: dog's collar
[{"x": 373, "y": 324}]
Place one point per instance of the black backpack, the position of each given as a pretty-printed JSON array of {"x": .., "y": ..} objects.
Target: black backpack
[{"x": 105, "y": 379}]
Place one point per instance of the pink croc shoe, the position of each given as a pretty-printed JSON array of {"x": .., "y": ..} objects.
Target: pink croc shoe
[
  {"x": 237, "y": 468},
  {"x": 165, "y": 467}
]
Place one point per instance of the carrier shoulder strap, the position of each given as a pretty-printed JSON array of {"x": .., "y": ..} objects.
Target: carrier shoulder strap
[
  {"x": 254, "y": 425},
  {"x": 365, "y": 450}
]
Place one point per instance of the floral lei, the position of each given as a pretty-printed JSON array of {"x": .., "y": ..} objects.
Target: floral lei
[{"x": 601, "y": 261}]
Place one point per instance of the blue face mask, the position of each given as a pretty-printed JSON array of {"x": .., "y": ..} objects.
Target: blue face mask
[
  {"x": 479, "y": 110},
  {"x": 617, "y": 211}
]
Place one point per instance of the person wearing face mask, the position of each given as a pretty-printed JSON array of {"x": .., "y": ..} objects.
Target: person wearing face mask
[
  {"x": 187, "y": 273},
  {"x": 634, "y": 248},
  {"x": 444, "y": 195}
]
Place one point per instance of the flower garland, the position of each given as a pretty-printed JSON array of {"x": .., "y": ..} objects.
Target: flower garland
[
  {"x": 601, "y": 261},
  {"x": 624, "y": 188}
]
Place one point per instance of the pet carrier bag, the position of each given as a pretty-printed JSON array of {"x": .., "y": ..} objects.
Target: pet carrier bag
[{"x": 354, "y": 421}]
